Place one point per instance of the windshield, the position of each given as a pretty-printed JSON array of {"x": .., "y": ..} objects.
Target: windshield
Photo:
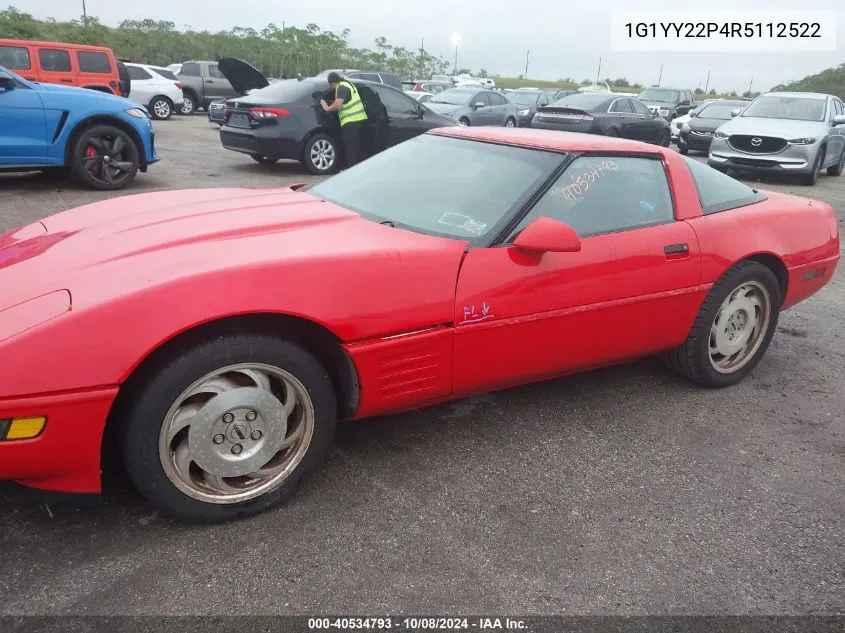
[
  {"x": 792, "y": 108},
  {"x": 443, "y": 186},
  {"x": 454, "y": 97},
  {"x": 716, "y": 111},
  {"x": 660, "y": 95},
  {"x": 584, "y": 101},
  {"x": 524, "y": 98}
]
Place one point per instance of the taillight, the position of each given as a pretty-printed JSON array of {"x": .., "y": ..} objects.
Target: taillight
[
  {"x": 268, "y": 113},
  {"x": 179, "y": 85}
]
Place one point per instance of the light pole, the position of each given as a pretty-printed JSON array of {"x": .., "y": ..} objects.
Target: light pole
[
  {"x": 456, "y": 40},
  {"x": 84, "y": 14}
]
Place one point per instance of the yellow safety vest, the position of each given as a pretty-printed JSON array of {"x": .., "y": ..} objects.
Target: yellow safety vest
[{"x": 351, "y": 111}]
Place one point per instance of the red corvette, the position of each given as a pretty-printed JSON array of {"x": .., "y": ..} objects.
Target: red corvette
[{"x": 221, "y": 333}]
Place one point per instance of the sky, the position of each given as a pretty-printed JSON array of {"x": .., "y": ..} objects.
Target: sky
[{"x": 566, "y": 38}]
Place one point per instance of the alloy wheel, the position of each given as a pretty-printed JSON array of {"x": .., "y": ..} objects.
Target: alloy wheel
[
  {"x": 740, "y": 327},
  {"x": 322, "y": 154},
  {"x": 105, "y": 160},
  {"x": 162, "y": 109}
]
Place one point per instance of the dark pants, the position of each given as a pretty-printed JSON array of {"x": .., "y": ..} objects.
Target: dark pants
[{"x": 352, "y": 142}]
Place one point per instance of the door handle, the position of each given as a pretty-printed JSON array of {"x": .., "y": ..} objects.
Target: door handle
[
  {"x": 209, "y": 81},
  {"x": 676, "y": 250}
]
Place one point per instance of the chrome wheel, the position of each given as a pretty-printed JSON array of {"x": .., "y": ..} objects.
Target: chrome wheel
[
  {"x": 740, "y": 327},
  {"x": 188, "y": 106},
  {"x": 236, "y": 433},
  {"x": 322, "y": 154},
  {"x": 161, "y": 109}
]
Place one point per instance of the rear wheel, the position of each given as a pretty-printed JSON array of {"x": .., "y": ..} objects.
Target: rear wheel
[
  {"x": 733, "y": 328},
  {"x": 228, "y": 427},
  {"x": 321, "y": 154},
  {"x": 263, "y": 160},
  {"x": 105, "y": 157},
  {"x": 161, "y": 108}
]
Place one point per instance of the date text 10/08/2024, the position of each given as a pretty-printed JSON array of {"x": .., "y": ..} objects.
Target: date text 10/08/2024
[
  {"x": 725, "y": 29},
  {"x": 417, "y": 624}
]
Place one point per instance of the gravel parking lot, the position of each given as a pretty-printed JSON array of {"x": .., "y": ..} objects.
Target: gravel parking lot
[{"x": 624, "y": 490}]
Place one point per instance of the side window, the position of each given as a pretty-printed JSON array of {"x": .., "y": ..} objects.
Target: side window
[
  {"x": 190, "y": 69},
  {"x": 840, "y": 107},
  {"x": 396, "y": 103},
  {"x": 15, "y": 58},
  {"x": 54, "y": 60},
  {"x": 621, "y": 105},
  {"x": 606, "y": 194},
  {"x": 138, "y": 73},
  {"x": 214, "y": 71},
  {"x": 369, "y": 77},
  {"x": 639, "y": 107},
  {"x": 91, "y": 62},
  {"x": 481, "y": 97},
  {"x": 719, "y": 192}
]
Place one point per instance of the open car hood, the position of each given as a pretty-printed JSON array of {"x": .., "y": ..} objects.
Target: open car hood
[{"x": 241, "y": 75}]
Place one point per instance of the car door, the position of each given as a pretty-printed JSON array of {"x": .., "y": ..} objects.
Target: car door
[
  {"x": 631, "y": 290},
  {"x": 217, "y": 86},
  {"x": 55, "y": 66},
  {"x": 481, "y": 111},
  {"x": 836, "y": 140},
  {"x": 499, "y": 107},
  {"x": 23, "y": 125},
  {"x": 623, "y": 113},
  {"x": 647, "y": 127},
  {"x": 403, "y": 115},
  {"x": 142, "y": 86}
]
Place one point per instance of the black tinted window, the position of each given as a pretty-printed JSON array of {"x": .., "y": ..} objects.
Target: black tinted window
[
  {"x": 15, "y": 58},
  {"x": 190, "y": 70},
  {"x": 394, "y": 102},
  {"x": 639, "y": 107},
  {"x": 138, "y": 73},
  {"x": 54, "y": 60},
  {"x": 603, "y": 194},
  {"x": 586, "y": 102},
  {"x": 90, "y": 62},
  {"x": 621, "y": 105},
  {"x": 719, "y": 192}
]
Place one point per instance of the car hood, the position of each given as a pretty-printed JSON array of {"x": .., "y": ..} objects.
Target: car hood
[
  {"x": 444, "y": 108},
  {"x": 780, "y": 128},
  {"x": 242, "y": 75},
  {"x": 134, "y": 242}
]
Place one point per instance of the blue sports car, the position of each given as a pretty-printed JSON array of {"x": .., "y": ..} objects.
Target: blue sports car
[{"x": 103, "y": 139}]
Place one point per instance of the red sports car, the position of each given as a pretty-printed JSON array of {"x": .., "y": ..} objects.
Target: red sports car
[{"x": 218, "y": 335}]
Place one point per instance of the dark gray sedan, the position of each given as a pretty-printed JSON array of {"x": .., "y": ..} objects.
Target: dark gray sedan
[
  {"x": 527, "y": 102},
  {"x": 472, "y": 106}
]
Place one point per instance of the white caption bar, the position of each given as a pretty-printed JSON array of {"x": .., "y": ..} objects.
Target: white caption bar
[{"x": 681, "y": 30}]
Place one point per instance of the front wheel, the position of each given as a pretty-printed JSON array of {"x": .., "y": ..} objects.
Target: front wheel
[
  {"x": 161, "y": 108},
  {"x": 321, "y": 154},
  {"x": 813, "y": 177},
  {"x": 228, "y": 427},
  {"x": 733, "y": 328},
  {"x": 463, "y": 122},
  {"x": 105, "y": 158},
  {"x": 189, "y": 106},
  {"x": 510, "y": 123},
  {"x": 836, "y": 170}
]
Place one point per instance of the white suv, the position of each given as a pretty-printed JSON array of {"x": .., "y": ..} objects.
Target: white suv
[{"x": 156, "y": 88}]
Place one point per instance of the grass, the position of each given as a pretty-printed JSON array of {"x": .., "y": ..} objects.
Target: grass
[{"x": 515, "y": 82}]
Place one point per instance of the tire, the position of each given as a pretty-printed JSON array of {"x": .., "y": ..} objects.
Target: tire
[
  {"x": 105, "y": 158},
  {"x": 161, "y": 108},
  {"x": 510, "y": 122},
  {"x": 264, "y": 160},
  {"x": 665, "y": 139},
  {"x": 189, "y": 106},
  {"x": 463, "y": 121},
  {"x": 683, "y": 149},
  {"x": 693, "y": 360},
  {"x": 836, "y": 170},
  {"x": 244, "y": 361},
  {"x": 813, "y": 177},
  {"x": 321, "y": 145}
]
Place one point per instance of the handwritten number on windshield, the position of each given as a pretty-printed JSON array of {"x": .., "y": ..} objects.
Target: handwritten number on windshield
[{"x": 581, "y": 183}]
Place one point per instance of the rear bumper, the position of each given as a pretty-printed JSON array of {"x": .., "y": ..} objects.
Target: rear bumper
[
  {"x": 66, "y": 456},
  {"x": 807, "y": 279},
  {"x": 260, "y": 142}
]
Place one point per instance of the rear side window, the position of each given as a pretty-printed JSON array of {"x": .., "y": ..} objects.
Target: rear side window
[
  {"x": 165, "y": 73},
  {"x": 395, "y": 102},
  {"x": 54, "y": 60},
  {"x": 190, "y": 70},
  {"x": 15, "y": 58},
  {"x": 91, "y": 62},
  {"x": 138, "y": 73},
  {"x": 719, "y": 192}
]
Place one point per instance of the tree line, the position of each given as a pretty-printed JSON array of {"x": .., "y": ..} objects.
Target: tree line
[{"x": 275, "y": 50}]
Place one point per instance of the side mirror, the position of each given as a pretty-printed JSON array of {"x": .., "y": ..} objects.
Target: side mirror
[
  {"x": 546, "y": 235},
  {"x": 735, "y": 111},
  {"x": 6, "y": 82},
  {"x": 478, "y": 104},
  {"x": 839, "y": 119}
]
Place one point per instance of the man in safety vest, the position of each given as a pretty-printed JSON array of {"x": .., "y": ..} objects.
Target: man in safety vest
[{"x": 350, "y": 110}]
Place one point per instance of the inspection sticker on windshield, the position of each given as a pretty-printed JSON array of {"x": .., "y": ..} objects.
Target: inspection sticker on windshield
[{"x": 473, "y": 227}]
